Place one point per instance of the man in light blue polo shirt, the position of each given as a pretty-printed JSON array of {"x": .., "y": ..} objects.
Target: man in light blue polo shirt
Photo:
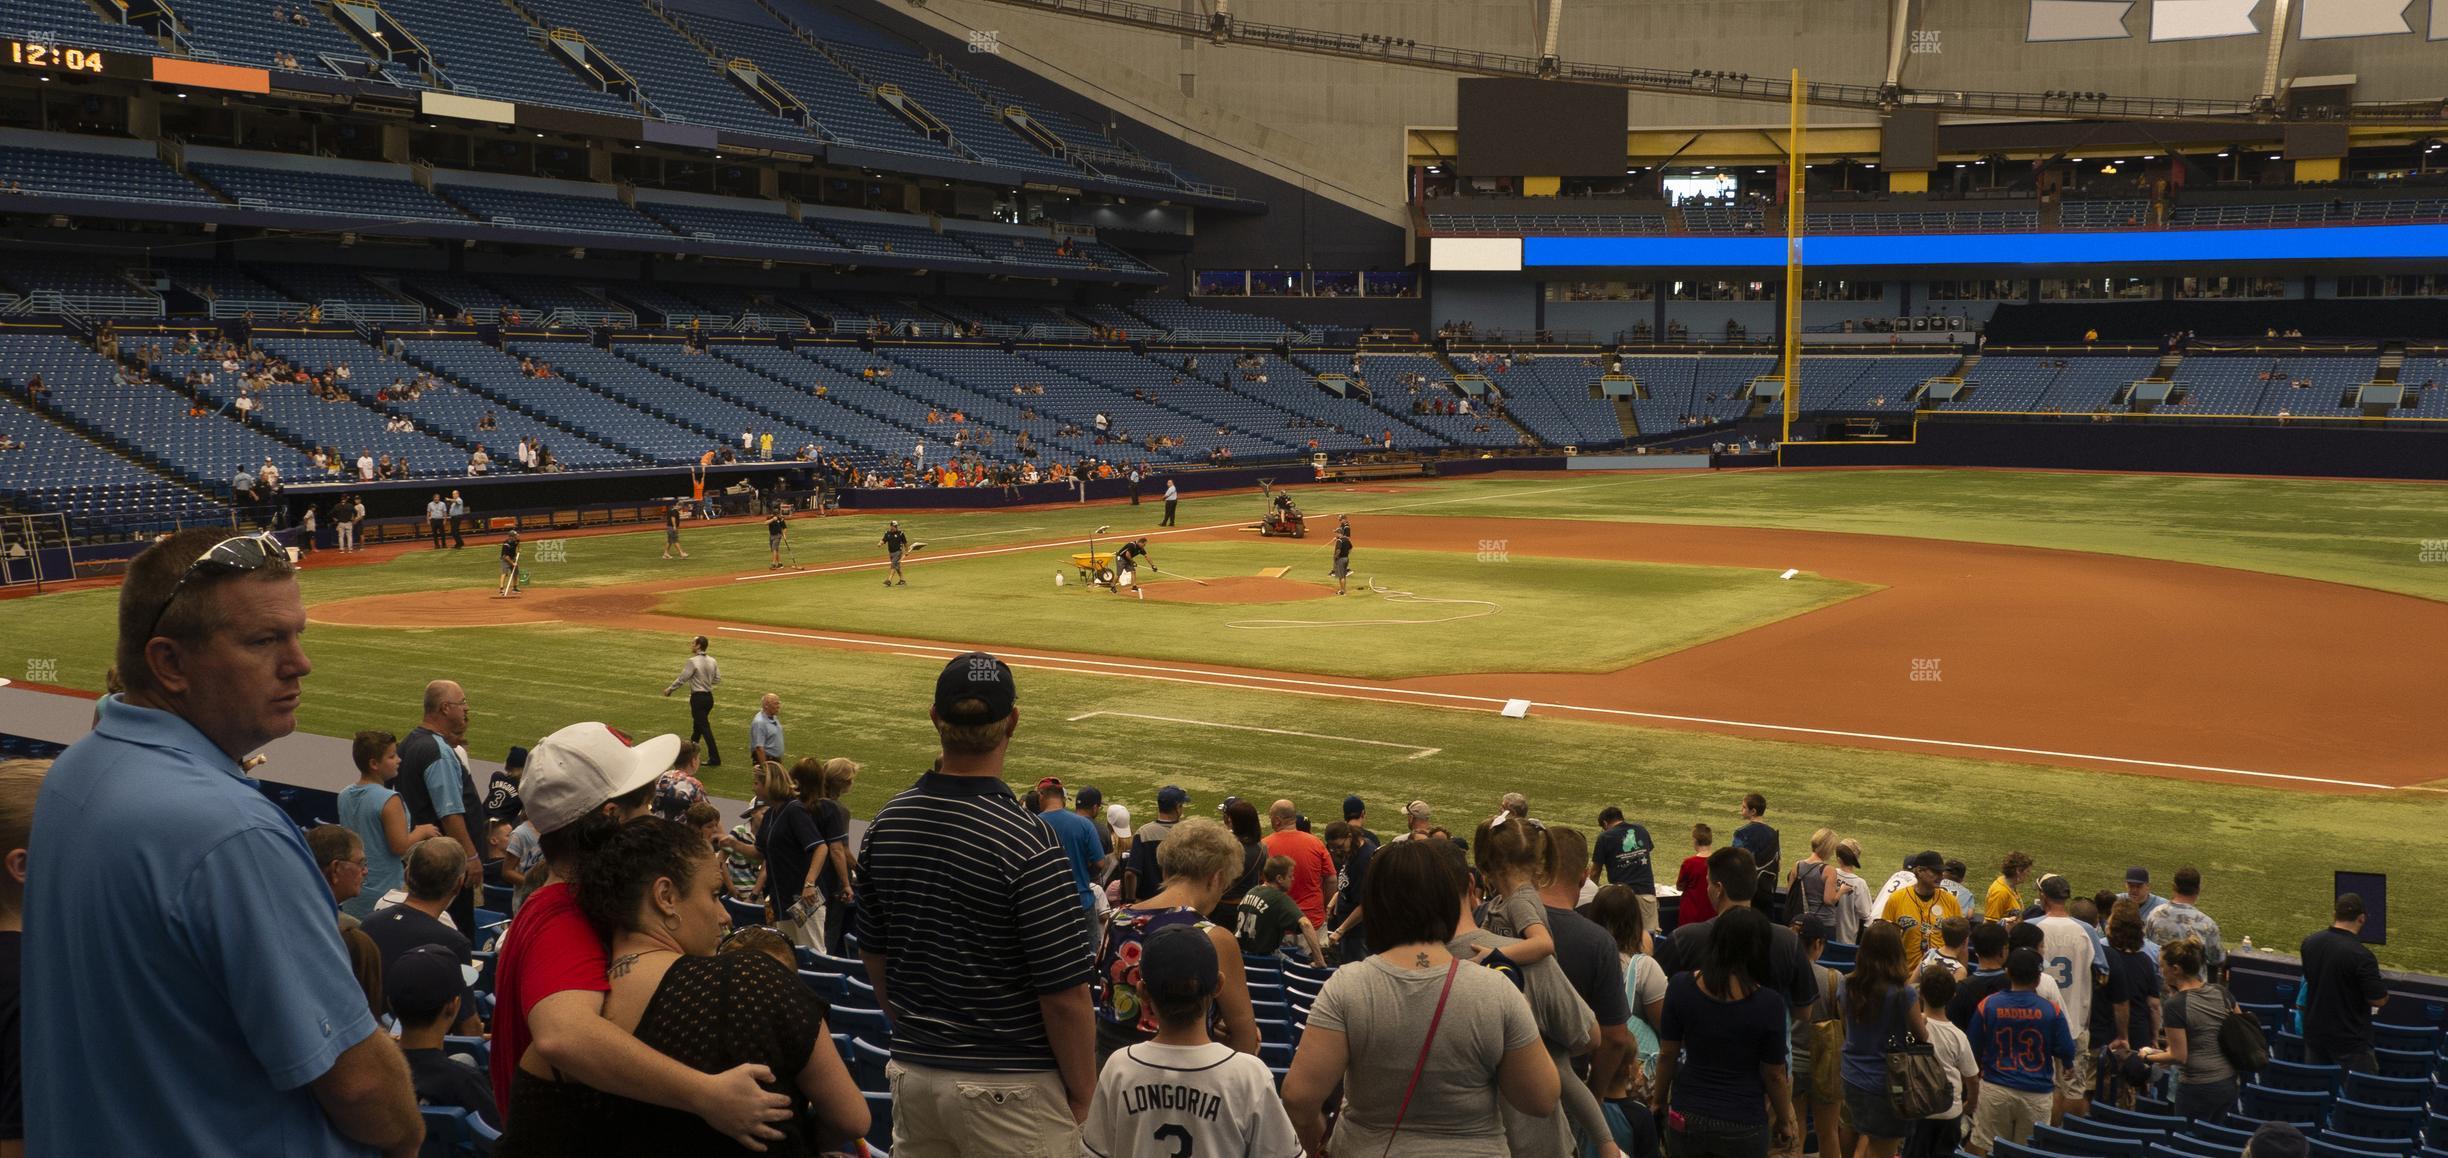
[
  {"x": 192, "y": 995},
  {"x": 765, "y": 731}
]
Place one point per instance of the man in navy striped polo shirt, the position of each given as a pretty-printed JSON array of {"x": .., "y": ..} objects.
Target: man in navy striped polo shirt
[{"x": 973, "y": 934}]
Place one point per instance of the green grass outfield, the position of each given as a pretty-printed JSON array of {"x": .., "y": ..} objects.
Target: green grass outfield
[{"x": 2265, "y": 853}]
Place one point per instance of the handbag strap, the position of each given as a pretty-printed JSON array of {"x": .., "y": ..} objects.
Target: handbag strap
[{"x": 1421, "y": 1066}]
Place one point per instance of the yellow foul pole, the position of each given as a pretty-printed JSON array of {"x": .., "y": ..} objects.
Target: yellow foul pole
[{"x": 1793, "y": 262}]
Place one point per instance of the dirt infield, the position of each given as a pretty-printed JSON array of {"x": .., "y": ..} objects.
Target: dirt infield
[
  {"x": 2009, "y": 653},
  {"x": 1237, "y": 589}
]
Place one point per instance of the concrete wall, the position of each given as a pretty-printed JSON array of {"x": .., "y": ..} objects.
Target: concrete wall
[{"x": 1980, "y": 45}]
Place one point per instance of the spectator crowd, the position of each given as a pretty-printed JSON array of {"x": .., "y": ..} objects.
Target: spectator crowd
[{"x": 584, "y": 957}]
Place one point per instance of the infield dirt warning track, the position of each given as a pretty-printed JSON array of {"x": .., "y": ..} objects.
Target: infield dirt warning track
[{"x": 1980, "y": 651}]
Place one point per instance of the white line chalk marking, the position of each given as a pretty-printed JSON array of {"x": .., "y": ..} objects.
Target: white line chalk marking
[
  {"x": 1417, "y": 752},
  {"x": 1382, "y": 694}
]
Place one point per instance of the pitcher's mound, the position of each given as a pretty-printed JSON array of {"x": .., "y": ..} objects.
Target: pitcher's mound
[
  {"x": 1237, "y": 589},
  {"x": 473, "y": 607}
]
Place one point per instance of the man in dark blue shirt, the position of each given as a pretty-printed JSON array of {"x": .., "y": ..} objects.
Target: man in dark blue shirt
[
  {"x": 424, "y": 986},
  {"x": 1352, "y": 848},
  {"x": 1622, "y": 853}
]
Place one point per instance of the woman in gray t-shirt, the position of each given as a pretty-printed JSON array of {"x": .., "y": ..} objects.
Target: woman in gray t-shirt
[
  {"x": 2194, "y": 1013},
  {"x": 1368, "y": 1026}
]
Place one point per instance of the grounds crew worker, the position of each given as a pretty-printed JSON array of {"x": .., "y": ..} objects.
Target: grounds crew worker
[
  {"x": 775, "y": 528},
  {"x": 894, "y": 544},
  {"x": 1126, "y": 564},
  {"x": 1342, "y": 552}
]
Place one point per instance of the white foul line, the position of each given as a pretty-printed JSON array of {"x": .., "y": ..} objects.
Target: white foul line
[
  {"x": 1382, "y": 694},
  {"x": 1417, "y": 752}
]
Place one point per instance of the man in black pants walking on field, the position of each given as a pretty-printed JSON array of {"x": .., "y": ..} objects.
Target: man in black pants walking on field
[{"x": 701, "y": 674}]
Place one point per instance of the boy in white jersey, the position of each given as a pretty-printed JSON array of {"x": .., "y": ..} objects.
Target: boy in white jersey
[{"x": 1184, "y": 1093}]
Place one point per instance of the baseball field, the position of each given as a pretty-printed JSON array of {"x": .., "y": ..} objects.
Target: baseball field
[{"x": 2242, "y": 675}]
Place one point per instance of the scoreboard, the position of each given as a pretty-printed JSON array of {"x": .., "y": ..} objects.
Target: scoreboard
[{"x": 45, "y": 55}]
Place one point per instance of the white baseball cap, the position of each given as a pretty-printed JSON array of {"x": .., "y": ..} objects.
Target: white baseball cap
[
  {"x": 1118, "y": 816},
  {"x": 575, "y": 770}
]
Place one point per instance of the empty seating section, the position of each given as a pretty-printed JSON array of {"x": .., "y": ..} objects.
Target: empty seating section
[
  {"x": 1385, "y": 374},
  {"x": 1866, "y": 385},
  {"x": 288, "y": 409},
  {"x": 912, "y": 241},
  {"x": 1185, "y": 319},
  {"x": 840, "y": 103},
  {"x": 1723, "y": 218},
  {"x": 2215, "y": 385},
  {"x": 454, "y": 411},
  {"x": 1686, "y": 389},
  {"x": 563, "y": 403},
  {"x": 714, "y": 419},
  {"x": 328, "y": 284},
  {"x": 228, "y": 287},
  {"x": 858, "y": 311},
  {"x": 671, "y": 308},
  {"x": 1600, "y": 224},
  {"x": 542, "y": 297},
  {"x": 1928, "y": 221},
  {"x": 111, "y": 176},
  {"x": 529, "y": 209},
  {"x": 2004, "y": 383},
  {"x": 2334, "y": 212},
  {"x": 1117, "y": 318},
  {"x": 487, "y": 51},
  {"x": 1078, "y": 400},
  {"x": 2120, "y": 214},
  {"x": 679, "y": 80},
  {"x": 338, "y": 194},
  {"x": 907, "y": 393},
  {"x": 740, "y": 226},
  {"x": 1254, "y": 411},
  {"x": 962, "y": 111},
  {"x": 95, "y": 288},
  {"x": 2084, "y": 385},
  {"x": 1010, "y": 249},
  {"x": 1294, "y": 387},
  {"x": 2426, "y": 382},
  {"x": 1551, "y": 397},
  {"x": 243, "y": 32},
  {"x": 145, "y": 420},
  {"x": 776, "y": 389},
  {"x": 74, "y": 24},
  {"x": 461, "y": 295},
  {"x": 54, "y": 469}
]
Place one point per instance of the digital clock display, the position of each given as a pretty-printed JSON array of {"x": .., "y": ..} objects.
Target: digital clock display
[{"x": 54, "y": 57}]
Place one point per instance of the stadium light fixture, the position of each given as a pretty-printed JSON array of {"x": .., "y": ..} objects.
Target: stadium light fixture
[{"x": 2222, "y": 154}]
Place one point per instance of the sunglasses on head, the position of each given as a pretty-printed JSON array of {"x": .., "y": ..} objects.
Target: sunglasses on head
[{"x": 234, "y": 556}]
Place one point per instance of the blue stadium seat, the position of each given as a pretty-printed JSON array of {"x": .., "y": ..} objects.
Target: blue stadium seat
[
  {"x": 2111, "y": 1115},
  {"x": 2197, "y": 1147},
  {"x": 446, "y": 1133},
  {"x": 2283, "y": 1075},
  {"x": 2271, "y": 1104},
  {"x": 2405, "y": 1063},
  {"x": 867, "y": 1061},
  {"x": 477, "y": 1049},
  {"x": 2334, "y": 1146},
  {"x": 2382, "y": 1090},
  {"x": 2364, "y": 1119},
  {"x": 880, "y": 1120},
  {"x": 2056, "y": 1140},
  {"x": 859, "y": 1022}
]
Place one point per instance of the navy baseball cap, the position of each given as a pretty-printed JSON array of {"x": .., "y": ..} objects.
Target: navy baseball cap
[
  {"x": 1090, "y": 796},
  {"x": 517, "y": 758},
  {"x": 2056, "y": 888},
  {"x": 1927, "y": 860},
  {"x": 419, "y": 982},
  {"x": 1179, "y": 962},
  {"x": 975, "y": 676},
  {"x": 1353, "y": 808},
  {"x": 1171, "y": 796},
  {"x": 1815, "y": 927},
  {"x": 2137, "y": 875}
]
